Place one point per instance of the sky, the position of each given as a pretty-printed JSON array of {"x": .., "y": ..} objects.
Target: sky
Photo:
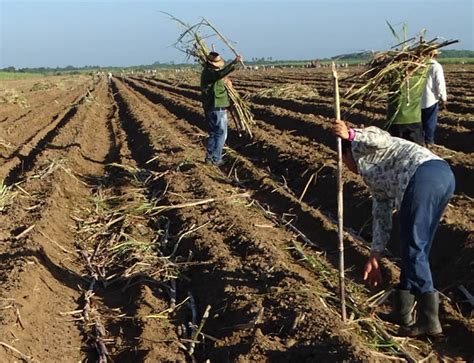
[{"x": 132, "y": 32}]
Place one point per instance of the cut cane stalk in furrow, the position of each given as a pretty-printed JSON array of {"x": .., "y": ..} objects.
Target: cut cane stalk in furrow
[
  {"x": 49, "y": 271},
  {"x": 170, "y": 138},
  {"x": 188, "y": 120},
  {"x": 264, "y": 153}
]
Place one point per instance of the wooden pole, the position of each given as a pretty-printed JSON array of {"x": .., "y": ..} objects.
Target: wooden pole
[{"x": 340, "y": 229}]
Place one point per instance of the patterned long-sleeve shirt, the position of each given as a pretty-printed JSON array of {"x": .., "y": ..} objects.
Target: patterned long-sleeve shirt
[{"x": 386, "y": 164}]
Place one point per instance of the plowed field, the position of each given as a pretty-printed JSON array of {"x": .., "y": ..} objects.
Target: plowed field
[{"x": 118, "y": 243}]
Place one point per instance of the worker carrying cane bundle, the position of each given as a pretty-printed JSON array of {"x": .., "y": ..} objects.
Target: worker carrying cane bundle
[
  {"x": 407, "y": 177},
  {"x": 215, "y": 101}
]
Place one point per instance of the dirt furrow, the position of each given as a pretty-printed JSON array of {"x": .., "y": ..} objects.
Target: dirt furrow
[
  {"x": 36, "y": 117},
  {"x": 23, "y": 158},
  {"x": 234, "y": 248},
  {"x": 453, "y": 134},
  {"x": 116, "y": 221},
  {"x": 281, "y": 205},
  {"x": 317, "y": 129},
  {"x": 44, "y": 281},
  {"x": 295, "y": 160}
]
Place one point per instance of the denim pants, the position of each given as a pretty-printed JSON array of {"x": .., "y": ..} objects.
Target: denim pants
[
  {"x": 410, "y": 132},
  {"x": 429, "y": 118},
  {"x": 425, "y": 198},
  {"x": 217, "y": 120}
]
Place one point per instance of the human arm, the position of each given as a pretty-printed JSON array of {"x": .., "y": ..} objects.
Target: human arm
[
  {"x": 368, "y": 139},
  {"x": 382, "y": 225},
  {"x": 216, "y": 74},
  {"x": 440, "y": 82},
  {"x": 439, "y": 85},
  {"x": 227, "y": 81},
  {"x": 372, "y": 137}
]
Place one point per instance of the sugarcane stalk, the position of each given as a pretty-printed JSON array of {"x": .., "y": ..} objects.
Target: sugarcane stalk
[
  {"x": 340, "y": 231},
  {"x": 191, "y": 43},
  {"x": 222, "y": 38}
]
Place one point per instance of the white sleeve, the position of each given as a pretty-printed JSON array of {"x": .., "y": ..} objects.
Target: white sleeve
[{"x": 440, "y": 82}]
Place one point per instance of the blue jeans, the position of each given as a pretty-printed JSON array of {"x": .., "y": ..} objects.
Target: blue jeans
[
  {"x": 429, "y": 118},
  {"x": 425, "y": 198},
  {"x": 217, "y": 120}
]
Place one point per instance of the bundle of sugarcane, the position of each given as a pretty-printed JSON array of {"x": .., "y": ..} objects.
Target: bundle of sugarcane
[
  {"x": 395, "y": 67},
  {"x": 193, "y": 44},
  {"x": 240, "y": 110},
  {"x": 290, "y": 90}
]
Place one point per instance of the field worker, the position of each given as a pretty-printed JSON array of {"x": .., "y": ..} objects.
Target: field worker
[
  {"x": 408, "y": 177},
  {"x": 404, "y": 108},
  {"x": 215, "y": 103},
  {"x": 109, "y": 77},
  {"x": 434, "y": 98}
]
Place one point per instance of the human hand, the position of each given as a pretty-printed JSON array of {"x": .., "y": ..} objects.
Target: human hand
[
  {"x": 239, "y": 59},
  {"x": 443, "y": 105},
  {"x": 340, "y": 129},
  {"x": 372, "y": 271}
]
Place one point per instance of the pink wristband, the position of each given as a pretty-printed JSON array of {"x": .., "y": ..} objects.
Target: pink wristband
[{"x": 352, "y": 134}]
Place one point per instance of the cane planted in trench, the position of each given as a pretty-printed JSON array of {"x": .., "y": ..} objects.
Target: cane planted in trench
[{"x": 340, "y": 230}]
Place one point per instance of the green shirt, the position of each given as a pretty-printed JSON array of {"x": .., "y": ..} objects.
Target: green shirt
[
  {"x": 404, "y": 103},
  {"x": 214, "y": 93}
]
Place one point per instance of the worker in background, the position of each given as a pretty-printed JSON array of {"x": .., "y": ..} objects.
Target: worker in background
[
  {"x": 434, "y": 99},
  {"x": 404, "y": 107},
  {"x": 215, "y": 100}
]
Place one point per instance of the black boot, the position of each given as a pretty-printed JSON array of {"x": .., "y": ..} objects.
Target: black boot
[
  {"x": 402, "y": 311},
  {"x": 428, "y": 317}
]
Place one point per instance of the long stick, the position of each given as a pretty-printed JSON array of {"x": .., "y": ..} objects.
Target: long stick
[
  {"x": 222, "y": 38},
  {"x": 337, "y": 112}
]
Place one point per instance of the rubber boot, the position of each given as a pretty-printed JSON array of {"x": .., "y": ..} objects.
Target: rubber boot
[
  {"x": 428, "y": 317},
  {"x": 402, "y": 312}
]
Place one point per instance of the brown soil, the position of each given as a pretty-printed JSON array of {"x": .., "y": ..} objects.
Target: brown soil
[{"x": 272, "y": 297}]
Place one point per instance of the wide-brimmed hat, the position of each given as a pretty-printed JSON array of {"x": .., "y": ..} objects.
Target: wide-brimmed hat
[{"x": 215, "y": 60}]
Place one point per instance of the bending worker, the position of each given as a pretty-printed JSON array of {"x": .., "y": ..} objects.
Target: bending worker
[{"x": 402, "y": 175}]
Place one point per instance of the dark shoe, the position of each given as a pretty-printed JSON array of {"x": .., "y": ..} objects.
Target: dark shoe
[
  {"x": 402, "y": 313},
  {"x": 428, "y": 317},
  {"x": 219, "y": 163},
  {"x": 214, "y": 163}
]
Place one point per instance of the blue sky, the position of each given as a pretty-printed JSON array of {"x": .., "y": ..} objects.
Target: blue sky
[{"x": 125, "y": 32}]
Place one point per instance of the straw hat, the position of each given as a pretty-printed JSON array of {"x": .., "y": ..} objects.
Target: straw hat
[{"x": 215, "y": 60}]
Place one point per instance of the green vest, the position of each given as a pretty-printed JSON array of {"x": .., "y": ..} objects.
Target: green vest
[
  {"x": 404, "y": 103},
  {"x": 214, "y": 93}
]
